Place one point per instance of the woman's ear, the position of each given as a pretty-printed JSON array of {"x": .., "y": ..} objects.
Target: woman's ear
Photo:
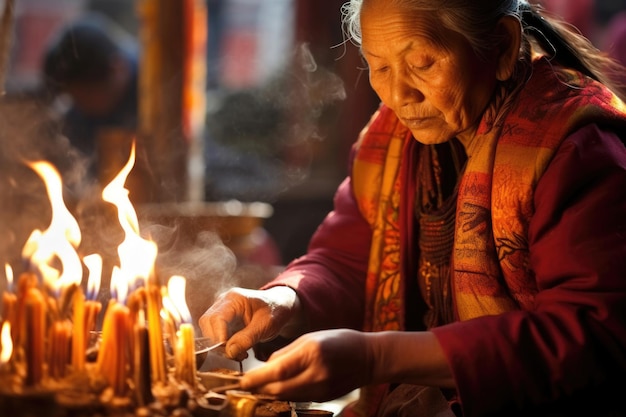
[{"x": 509, "y": 30}]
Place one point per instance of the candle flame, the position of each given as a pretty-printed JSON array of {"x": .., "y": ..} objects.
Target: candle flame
[
  {"x": 176, "y": 290},
  {"x": 119, "y": 285},
  {"x": 137, "y": 255},
  {"x": 61, "y": 238},
  {"x": 94, "y": 265},
  {"x": 7, "y": 343},
  {"x": 169, "y": 307},
  {"x": 8, "y": 271}
]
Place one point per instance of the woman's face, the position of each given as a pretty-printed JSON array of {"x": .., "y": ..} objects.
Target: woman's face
[{"x": 428, "y": 75}]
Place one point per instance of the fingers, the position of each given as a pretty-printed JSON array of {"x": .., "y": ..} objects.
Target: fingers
[
  {"x": 237, "y": 346},
  {"x": 318, "y": 366},
  {"x": 285, "y": 379},
  {"x": 237, "y": 318},
  {"x": 213, "y": 327},
  {"x": 284, "y": 374},
  {"x": 271, "y": 372},
  {"x": 227, "y": 310},
  {"x": 243, "y": 318},
  {"x": 258, "y": 329}
]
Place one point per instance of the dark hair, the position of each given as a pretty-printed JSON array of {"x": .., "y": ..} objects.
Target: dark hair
[{"x": 82, "y": 52}]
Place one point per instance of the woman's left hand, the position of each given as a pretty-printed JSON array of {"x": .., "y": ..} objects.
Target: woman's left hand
[{"x": 318, "y": 366}]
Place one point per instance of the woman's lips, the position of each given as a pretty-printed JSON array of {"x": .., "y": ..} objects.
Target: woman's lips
[{"x": 414, "y": 121}]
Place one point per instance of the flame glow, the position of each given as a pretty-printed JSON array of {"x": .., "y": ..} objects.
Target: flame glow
[
  {"x": 137, "y": 255},
  {"x": 170, "y": 307},
  {"x": 7, "y": 343},
  {"x": 94, "y": 265},
  {"x": 119, "y": 285},
  {"x": 8, "y": 271},
  {"x": 59, "y": 240},
  {"x": 176, "y": 290}
]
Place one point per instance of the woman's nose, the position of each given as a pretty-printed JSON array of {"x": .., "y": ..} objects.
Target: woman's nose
[{"x": 403, "y": 92}]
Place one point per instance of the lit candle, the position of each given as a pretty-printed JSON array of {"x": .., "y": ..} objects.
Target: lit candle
[
  {"x": 141, "y": 371},
  {"x": 121, "y": 317},
  {"x": 9, "y": 299},
  {"x": 185, "y": 349},
  {"x": 9, "y": 379},
  {"x": 6, "y": 346},
  {"x": 107, "y": 346},
  {"x": 26, "y": 281},
  {"x": 92, "y": 306},
  {"x": 114, "y": 355},
  {"x": 79, "y": 344},
  {"x": 137, "y": 257},
  {"x": 33, "y": 335},
  {"x": 9, "y": 306},
  {"x": 157, "y": 349},
  {"x": 186, "y": 358},
  {"x": 59, "y": 348}
]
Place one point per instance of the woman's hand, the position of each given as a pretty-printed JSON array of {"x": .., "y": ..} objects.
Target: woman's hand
[
  {"x": 244, "y": 317},
  {"x": 318, "y": 366},
  {"x": 324, "y": 365}
]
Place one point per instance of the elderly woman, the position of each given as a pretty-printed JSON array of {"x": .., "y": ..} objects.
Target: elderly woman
[{"x": 474, "y": 262}]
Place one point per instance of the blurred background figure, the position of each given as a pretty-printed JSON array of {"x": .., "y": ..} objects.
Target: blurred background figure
[{"x": 91, "y": 66}]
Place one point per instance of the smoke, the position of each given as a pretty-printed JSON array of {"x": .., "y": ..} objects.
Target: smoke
[
  {"x": 27, "y": 133},
  {"x": 261, "y": 141},
  {"x": 202, "y": 258}
]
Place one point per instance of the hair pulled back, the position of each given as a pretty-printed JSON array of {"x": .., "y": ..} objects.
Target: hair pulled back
[{"x": 477, "y": 19}]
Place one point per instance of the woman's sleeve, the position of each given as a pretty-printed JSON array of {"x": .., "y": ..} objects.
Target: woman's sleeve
[
  {"x": 330, "y": 278},
  {"x": 570, "y": 349}
]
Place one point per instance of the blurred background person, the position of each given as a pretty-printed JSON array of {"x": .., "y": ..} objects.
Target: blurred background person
[{"x": 93, "y": 64}]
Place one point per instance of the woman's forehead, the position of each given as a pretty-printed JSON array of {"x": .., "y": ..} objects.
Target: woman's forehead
[{"x": 384, "y": 21}]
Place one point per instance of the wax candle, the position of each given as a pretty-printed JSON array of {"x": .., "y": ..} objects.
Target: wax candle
[
  {"x": 185, "y": 355},
  {"x": 157, "y": 349},
  {"x": 141, "y": 359},
  {"x": 33, "y": 335},
  {"x": 79, "y": 344},
  {"x": 121, "y": 336},
  {"x": 114, "y": 357},
  {"x": 26, "y": 281},
  {"x": 92, "y": 306},
  {"x": 59, "y": 348},
  {"x": 92, "y": 310},
  {"x": 185, "y": 347},
  {"x": 105, "y": 353}
]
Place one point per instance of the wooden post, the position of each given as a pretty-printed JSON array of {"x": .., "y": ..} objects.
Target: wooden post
[{"x": 172, "y": 69}]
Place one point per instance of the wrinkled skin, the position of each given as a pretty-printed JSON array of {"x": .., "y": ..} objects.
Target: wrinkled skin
[
  {"x": 246, "y": 317},
  {"x": 439, "y": 91},
  {"x": 329, "y": 363}
]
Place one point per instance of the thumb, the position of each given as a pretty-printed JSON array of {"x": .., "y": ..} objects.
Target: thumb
[{"x": 238, "y": 345}]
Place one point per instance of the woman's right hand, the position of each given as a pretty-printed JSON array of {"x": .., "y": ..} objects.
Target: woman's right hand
[{"x": 244, "y": 317}]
